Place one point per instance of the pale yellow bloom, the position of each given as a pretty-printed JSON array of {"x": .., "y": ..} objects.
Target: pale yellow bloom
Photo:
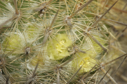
[{"x": 58, "y": 47}]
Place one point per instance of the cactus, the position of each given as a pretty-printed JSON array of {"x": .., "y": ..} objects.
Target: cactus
[{"x": 59, "y": 41}]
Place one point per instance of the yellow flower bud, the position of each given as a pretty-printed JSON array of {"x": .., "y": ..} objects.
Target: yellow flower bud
[
  {"x": 96, "y": 46},
  {"x": 31, "y": 32},
  {"x": 13, "y": 42},
  {"x": 34, "y": 61}
]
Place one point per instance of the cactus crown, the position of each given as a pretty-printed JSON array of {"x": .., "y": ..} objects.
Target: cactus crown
[{"x": 56, "y": 41}]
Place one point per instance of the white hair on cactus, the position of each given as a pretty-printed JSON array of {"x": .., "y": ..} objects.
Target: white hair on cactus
[{"x": 8, "y": 14}]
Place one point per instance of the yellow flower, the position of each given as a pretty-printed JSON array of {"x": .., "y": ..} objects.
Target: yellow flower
[
  {"x": 89, "y": 59},
  {"x": 58, "y": 47},
  {"x": 13, "y": 42},
  {"x": 85, "y": 61}
]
